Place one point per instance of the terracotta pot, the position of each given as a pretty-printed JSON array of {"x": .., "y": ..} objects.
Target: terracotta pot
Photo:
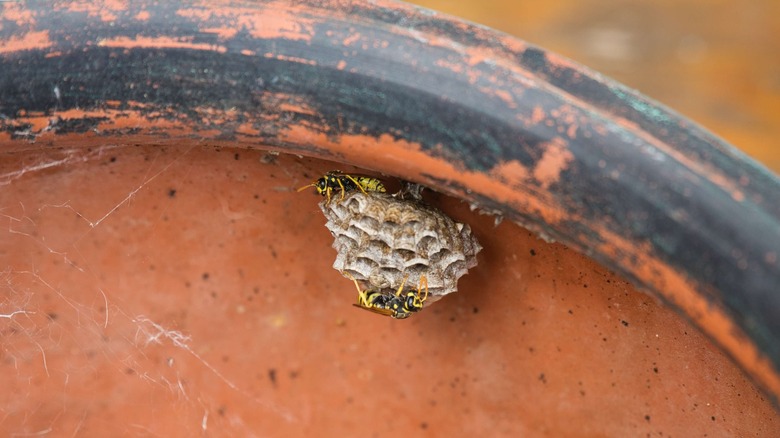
[{"x": 163, "y": 279}]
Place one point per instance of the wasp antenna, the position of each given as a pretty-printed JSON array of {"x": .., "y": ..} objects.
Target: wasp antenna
[{"x": 306, "y": 187}]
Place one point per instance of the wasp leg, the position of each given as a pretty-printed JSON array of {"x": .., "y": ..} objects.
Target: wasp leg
[
  {"x": 328, "y": 191},
  {"x": 357, "y": 184},
  {"x": 401, "y": 287},
  {"x": 362, "y": 294},
  {"x": 423, "y": 281},
  {"x": 341, "y": 186},
  {"x": 363, "y": 297}
]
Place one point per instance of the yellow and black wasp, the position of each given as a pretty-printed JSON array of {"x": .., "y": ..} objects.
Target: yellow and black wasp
[
  {"x": 400, "y": 305},
  {"x": 336, "y": 180}
]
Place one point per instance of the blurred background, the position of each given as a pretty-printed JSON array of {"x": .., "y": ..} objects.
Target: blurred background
[{"x": 716, "y": 62}]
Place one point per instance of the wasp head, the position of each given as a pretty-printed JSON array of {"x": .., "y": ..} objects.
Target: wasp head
[{"x": 321, "y": 185}]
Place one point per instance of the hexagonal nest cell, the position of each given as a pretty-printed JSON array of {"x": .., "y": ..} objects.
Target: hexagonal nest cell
[{"x": 382, "y": 240}]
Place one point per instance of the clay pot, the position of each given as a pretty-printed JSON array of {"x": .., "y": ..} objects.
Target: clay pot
[{"x": 163, "y": 277}]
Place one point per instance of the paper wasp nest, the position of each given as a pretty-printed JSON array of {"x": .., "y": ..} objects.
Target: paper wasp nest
[{"x": 381, "y": 239}]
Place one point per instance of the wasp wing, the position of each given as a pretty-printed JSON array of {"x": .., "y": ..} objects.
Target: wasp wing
[{"x": 386, "y": 312}]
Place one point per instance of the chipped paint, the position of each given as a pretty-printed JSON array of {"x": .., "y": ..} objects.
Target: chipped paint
[
  {"x": 504, "y": 95},
  {"x": 106, "y": 11},
  {"x": 290, "y": 58},
  {"x": 351, "y": 39},
  {"x": 555, "y": 159},
  {"x": 693, "y": 162},
  {"x": 14, "y": 11},
  {"x": 224, "y": 33},
  {"x": 159, "y": 43},
  {"x": 511, "y": 173},
  {"x": 28, "y": 41},
  {"x": 455, "y": 67},
  {"x": 43, "y": 126},
  {"x": 273, "y": 20},
  {"x": 538, "y": 115}
]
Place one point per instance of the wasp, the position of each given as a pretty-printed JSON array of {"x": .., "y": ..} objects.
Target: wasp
[
  {"x": 400, "y": 305},
  {"x": 336, "y": 180}
]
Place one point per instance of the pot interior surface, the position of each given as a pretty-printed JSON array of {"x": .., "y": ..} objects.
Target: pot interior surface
[{"x": 175, "y": 291}]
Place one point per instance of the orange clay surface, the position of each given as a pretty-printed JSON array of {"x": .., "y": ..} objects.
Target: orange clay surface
[
  {"x": 684, "y": 64},
  {"x": 172, "y": 291}
]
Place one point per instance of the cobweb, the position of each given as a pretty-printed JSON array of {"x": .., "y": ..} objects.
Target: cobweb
[{"x": 99, "y": 309}]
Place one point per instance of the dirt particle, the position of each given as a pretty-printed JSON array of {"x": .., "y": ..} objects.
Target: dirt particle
[{"x": 269, "y": 158}]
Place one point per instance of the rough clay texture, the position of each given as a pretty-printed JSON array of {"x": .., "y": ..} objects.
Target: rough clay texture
[{"x": 380, "y": 240}]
